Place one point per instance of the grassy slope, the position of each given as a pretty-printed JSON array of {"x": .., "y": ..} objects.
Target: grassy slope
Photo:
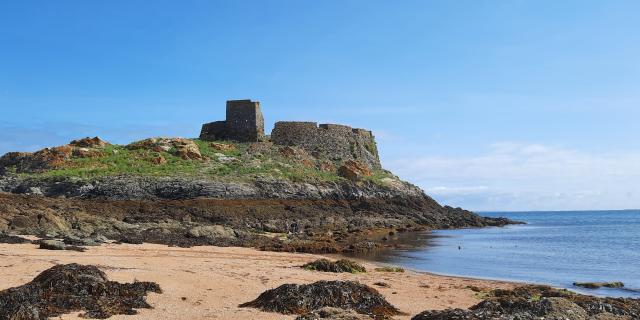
[{"x": 249, "y": 165}]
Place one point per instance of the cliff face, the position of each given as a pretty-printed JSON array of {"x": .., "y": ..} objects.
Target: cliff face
[
  {"x": 174, "y": 188},
  {"x": 260, "y": 195}
]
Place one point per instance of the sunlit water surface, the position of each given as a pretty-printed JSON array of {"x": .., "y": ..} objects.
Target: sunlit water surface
[{"x": 555, "y": 248}]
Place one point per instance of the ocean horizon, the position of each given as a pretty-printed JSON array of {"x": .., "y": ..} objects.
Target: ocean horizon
[{"x": 554, "y": 248}]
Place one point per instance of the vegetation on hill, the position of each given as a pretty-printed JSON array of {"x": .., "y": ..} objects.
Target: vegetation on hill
[{"x": 170, "y": 157}]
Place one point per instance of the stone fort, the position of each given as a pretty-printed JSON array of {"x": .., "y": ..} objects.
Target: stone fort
[{"x": 245, "y": 123}]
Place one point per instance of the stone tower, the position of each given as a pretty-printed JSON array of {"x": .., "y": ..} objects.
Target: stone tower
[{"x": 244, "y": 123}]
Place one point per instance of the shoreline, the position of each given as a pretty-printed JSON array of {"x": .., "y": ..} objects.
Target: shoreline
[
  {"x": 408, "y": 252},
  {"x": 210, "y": 282}
]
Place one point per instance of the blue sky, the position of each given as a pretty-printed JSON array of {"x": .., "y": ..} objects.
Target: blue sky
[{"x": 489, "y": 105}]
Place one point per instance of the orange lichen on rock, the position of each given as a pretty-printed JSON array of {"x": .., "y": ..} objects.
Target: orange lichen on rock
[
  {"x": 184, "y": 148},
  {"x": 354, "y": 170}
]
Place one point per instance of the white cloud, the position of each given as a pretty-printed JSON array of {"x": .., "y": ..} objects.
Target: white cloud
[{"x": 516, "y": 176}]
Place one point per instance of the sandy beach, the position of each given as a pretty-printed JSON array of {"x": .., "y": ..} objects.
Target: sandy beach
[{"x": 210, "y": 282}]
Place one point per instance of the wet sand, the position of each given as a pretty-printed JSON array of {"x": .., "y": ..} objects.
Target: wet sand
[{"x": 210, "y": 282}]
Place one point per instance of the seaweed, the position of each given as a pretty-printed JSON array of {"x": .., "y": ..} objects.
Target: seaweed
[
  {"x": 73, "y": 287},
  {"x": 339, "y": 266},
  {"x": 302, "y": 299}
]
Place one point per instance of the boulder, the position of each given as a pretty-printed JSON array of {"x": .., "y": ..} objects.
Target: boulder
[
  {"x": 187, "y": 149},
  {"x": 87, "y": 142},
  {"x": 159, "y": 160},
  {"x": 354, "y": 170},
  {"x": 52, "y": 245},
  {"x": 224, "y": 147},
  {"x": 184, "y": 148},
  {"x": 597, "y": 285}
]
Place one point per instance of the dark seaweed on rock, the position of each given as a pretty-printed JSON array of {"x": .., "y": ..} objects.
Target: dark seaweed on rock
[
  {"x": 541, "y": 302},
  {"x": 9, "y": 239},
  {"x": 302, "y": 299},
  {"x": 339, "y": 266},
  {"x": 73, "y": 287}
]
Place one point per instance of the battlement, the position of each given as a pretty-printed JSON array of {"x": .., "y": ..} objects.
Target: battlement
[{"x": 337, "y": 142}]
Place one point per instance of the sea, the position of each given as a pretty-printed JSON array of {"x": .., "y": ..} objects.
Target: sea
[{"x": 553, "y": 248}]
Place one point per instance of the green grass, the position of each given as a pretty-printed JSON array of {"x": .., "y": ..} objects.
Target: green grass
[
  {"x": 379, "y": 177},
  {"x": 267, "y": 162},
  {"x": 118, "y": 160}
]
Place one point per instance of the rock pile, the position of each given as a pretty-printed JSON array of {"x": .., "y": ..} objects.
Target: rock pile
[
  {"x": 52, "y": 158},
  {"x": 184, "y": 148}
]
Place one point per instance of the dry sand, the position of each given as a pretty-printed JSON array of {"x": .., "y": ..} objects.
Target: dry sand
[{"x": 210, "y": 282}]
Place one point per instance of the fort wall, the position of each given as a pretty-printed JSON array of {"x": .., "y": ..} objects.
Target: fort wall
[
  {"x": 245, "y": 123},
  {"x": 332, "y": 141}
]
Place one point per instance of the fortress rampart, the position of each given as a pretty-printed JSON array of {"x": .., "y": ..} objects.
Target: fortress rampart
[
  {"x": 336, "y": 142},
  {"x": 332, "y": 141}
]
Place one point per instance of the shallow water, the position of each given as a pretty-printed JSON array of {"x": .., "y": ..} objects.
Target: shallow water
[{"x": 555, "y": 248}]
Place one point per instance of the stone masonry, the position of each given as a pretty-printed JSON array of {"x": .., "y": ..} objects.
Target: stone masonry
[
  {"x": 339, "y": 143},
  {"x": 244, "y": 123},
  {"x": 336, "y": 142}
]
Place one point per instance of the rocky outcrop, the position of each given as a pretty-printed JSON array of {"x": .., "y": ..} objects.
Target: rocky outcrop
[
  {"x": 87, "y": 142},
  {"x": 52, "y": 158},
  {"x": 184, "y": 148},
  {"x": 597, "y": 285},
  {"x": 168, "y": 190},
  {"x": 354, "y": 170},
  {"x": 323, "y": 217},
  {"x": 149, "y": 188}
]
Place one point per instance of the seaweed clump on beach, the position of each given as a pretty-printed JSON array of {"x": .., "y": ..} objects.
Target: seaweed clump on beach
[
  {"x": 390, "y": 269},
  {"x": 339, "y": 266},
  {"x": 73, "y": 287},
  {"x": 541, "y": 302},
  {"x": 303, "y": 299}
]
